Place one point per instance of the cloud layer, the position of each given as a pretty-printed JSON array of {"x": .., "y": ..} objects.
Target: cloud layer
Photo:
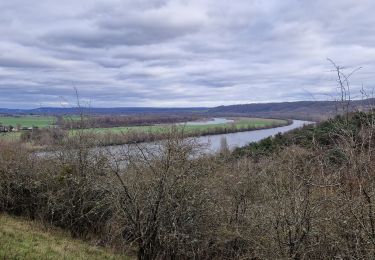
[{"x": 181, "y": 52}]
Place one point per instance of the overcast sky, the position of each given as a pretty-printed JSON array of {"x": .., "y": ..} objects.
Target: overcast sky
[{"x": 179, "y": 52}]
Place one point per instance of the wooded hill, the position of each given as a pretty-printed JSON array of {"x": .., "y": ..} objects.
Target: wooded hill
[{"x": 305, "y": 110}]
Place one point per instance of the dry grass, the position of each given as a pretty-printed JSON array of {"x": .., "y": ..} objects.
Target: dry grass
[{"x": 24, "y": 239}]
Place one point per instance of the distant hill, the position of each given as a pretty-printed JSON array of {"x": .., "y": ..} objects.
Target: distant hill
[
  {"x": 10, "y": 111},
  {"x": 307, "y": 110},
  {"x": 102, "y": 111}
]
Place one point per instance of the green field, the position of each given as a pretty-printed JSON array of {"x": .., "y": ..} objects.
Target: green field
[
  {"x": 27, "y": 121},
  {"x": 24, "y": 239},
  {"x": 239, "y": 124}
]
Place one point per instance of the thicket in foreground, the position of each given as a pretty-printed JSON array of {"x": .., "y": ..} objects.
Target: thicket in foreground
[{"x": 307, "y": 194}]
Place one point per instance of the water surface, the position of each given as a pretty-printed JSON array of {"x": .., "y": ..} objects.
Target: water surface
[
  {"x": 211, "y": 121},
  {"x": 240, "y": 139},
  {"x": 212, "y": 143}
]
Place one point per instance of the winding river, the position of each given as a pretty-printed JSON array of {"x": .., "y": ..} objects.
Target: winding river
[{"x": 212, "y": 143}]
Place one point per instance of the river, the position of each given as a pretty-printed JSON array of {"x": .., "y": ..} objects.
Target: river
[
  {"x": 239, "y": 139},
  {"x": 212, "y": 143}
]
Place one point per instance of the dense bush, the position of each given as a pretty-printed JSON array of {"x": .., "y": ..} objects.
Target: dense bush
[
  {"x": 44, "y": 136},
  {"x": 117, "y": 121}
]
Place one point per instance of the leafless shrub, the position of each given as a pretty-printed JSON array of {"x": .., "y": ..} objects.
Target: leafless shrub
[
  {"x": 45, "y": 136},
  {"x": 161, "y": 200}
]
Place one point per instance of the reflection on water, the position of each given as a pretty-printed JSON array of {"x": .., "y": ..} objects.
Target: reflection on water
[{"x": 212, "y": 121}]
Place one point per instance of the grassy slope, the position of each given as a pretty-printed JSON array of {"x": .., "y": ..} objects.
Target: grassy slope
[
  {"x": 27, "y": 121},
  {"x": 22, "y": 239}
]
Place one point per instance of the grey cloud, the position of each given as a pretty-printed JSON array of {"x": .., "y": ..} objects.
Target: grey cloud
[
  {"x": 126, "y": 27},
  {"x": 179, "y": 52},
  {"x": 23, "y": 63},
  {"x": 107, "y": 38}
]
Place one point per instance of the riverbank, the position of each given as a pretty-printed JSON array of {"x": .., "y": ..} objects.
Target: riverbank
[
  {"x": 128, "y": 135},
  {"x": 102, "y": 137}
]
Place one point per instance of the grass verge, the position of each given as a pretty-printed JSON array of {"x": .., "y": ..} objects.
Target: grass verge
[{"x": 24, "y": 239}]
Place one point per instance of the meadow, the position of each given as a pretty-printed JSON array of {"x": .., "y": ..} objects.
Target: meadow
[
  {"x": 239, "y": 123},
  {"x": 156, "y": 131},
  {"x": 28, "y": 121}
]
